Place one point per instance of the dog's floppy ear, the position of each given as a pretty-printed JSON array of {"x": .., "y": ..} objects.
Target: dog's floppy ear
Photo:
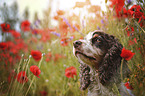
[
  {"x": 111, "y": 61},
  {"x": 84, "y": 76}
]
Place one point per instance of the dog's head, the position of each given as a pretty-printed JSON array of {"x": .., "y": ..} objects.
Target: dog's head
[
  {"x": 92, "y": 49},
  {"x": 101, "y": 51}
]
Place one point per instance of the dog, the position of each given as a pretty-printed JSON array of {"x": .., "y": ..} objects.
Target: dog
[{"x": 100, "y": 61}]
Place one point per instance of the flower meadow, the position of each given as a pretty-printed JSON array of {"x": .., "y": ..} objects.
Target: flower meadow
[{"x": 38, "y": 60}]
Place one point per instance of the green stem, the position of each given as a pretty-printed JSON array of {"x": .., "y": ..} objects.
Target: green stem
[
  {"x": 3, "y": 37},
  {"x": 121, "y": 70},
  {"x": 30, "y": 85},
  {"x": 13, "y": 78},
  {"x": 33, "y": 76},
  {"x": 27, "y": 64},
  {"x": 25, "y": 71},
  {"x": 140, "y": 26},
  {"x": 40, "y": 62},
  {"x": 18, "y": 70}
]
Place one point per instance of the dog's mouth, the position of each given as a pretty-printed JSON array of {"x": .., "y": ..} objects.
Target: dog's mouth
[{"x": 92, "y": 58}]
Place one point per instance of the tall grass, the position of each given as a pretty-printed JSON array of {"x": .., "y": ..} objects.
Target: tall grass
[{"x": 52, "y": 81}]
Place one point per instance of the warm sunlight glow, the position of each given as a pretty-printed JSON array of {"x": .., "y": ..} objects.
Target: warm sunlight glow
[{"x": 40, "y": 5}]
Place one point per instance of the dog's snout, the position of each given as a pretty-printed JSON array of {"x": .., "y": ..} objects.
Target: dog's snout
[{"x": 77, "y": 43}]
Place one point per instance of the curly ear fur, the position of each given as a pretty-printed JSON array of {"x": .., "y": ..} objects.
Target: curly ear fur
[
  {"x": 111, "y": 61},
  {"x": 84, "y": 76}
]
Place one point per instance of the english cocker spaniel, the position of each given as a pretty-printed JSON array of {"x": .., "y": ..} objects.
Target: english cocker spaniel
[{"x": 99, "y": 57}]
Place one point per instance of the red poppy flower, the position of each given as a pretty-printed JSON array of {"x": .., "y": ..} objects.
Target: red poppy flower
[
  {"x": 25, "y": 25},
  {"x": 48, "y": 57},
  {"x": 118, "y": 5},
  {"x": 130, "y": 31},
  {"x": 141, "y": 21},
  {"x": 36, "y": 55},
  {"x": 43, "y": 93},
  {"x": 35, "y": 31},
  {"x": 64, "y": 41},
  {"x": 13, "y": 48},
  {"x": 5, "y": 27},
  {"x": 15, "y": 34},
  {"x": 135, "y": 40},
  {"x": 58, "y": 56},
  {"x": 128, "y": 86},
  {"x": 60, "y": 12},
  {"x": 63, "y": 28},
  {"x": 3, "y": 45},
  {"x": 135, "y": 11},
  {"x": 70, "y": 72},
  {"x": 22, "y": 77},
  {"x": 45, "y": 37},
  {"x": 35, "y": 70},
  {"x": 126, "y": 54},
  {"x": 123, "y": 13},
  {"x": 132, "y": 42},
  {"x": 56, "y": 17}
]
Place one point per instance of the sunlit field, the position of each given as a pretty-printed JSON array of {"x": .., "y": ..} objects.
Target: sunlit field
[{"x": 36, "y": 55}]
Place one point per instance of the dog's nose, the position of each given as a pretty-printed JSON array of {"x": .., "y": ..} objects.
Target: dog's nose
[{"x": 77, "y": 43}]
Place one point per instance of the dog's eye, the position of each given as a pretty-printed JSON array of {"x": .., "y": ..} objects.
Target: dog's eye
[{"x": 96, "y": 39}]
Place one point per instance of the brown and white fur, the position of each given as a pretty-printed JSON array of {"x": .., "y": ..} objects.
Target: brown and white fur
[{"x": 99, "y": 57}]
